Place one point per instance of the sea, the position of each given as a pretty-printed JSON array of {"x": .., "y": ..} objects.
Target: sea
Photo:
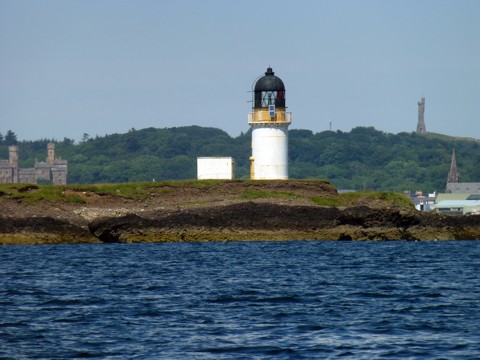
[{"x": 241, "y": 300}]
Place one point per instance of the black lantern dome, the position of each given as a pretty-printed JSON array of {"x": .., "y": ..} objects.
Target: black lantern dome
[
  {"x": 269, "y": 90},
  {"x": 269, "y": 82}
]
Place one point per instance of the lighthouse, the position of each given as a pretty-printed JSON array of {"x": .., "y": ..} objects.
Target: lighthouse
[{"x": 269, "y": 121}]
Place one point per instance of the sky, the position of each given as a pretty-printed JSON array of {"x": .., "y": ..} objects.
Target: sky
[{"x": 97, "y": 67}]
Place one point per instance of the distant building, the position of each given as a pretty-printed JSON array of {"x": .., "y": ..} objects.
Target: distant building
[
  {"x": 422, "y": 202},
  {"x": 52, "y": 169},
  {"x": 459, "y": 198},
  {"x": 454, "y": 186},
  {"x": 458, "y": 204}
]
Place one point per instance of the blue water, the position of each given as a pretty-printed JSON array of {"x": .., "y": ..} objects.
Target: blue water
[{"x": 256, "y": 300}]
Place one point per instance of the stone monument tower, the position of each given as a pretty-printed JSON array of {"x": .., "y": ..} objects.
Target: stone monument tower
[{"x": 421, "y": 129}]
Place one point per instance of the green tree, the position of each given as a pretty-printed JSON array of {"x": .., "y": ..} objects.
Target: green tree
[{"x": 10, "y": 138}]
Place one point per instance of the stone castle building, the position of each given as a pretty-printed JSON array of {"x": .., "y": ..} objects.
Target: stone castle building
[{"x": 52, "y": 169}]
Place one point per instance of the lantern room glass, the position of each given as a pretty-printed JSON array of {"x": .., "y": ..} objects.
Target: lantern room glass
[{"x": 265, "y": 98}]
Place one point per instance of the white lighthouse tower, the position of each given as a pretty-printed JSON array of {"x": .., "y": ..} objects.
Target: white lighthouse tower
[{"x": 269, "y": 121}]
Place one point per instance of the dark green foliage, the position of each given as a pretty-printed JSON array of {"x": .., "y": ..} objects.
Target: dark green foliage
[
  {"x": 10, "y": 138},
  {"x": 362, "y": 159},
  {"x": 148, "y": 154},
  {"x": 367, "y": 159}
]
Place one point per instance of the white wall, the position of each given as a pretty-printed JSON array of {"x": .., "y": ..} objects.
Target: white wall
[
  {"x": 270, "y": 152},
  {"x": 215, "y": 168}
]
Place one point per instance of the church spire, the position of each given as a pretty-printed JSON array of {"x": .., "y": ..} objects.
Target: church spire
[{"x": 453, "y": 175}]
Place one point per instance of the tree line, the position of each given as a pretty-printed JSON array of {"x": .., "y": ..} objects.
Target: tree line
[{"x": 363, "y": 158}]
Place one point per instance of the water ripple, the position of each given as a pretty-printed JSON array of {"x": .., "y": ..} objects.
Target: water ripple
[{"x": 253, "y": 300}]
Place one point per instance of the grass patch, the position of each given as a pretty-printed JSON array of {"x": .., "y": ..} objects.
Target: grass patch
[
  {"x": 327, "y": 201},
  {"x": 141, "y": 191},
  {"x": 198, "y": 184},
  {"x": 137, "y": 191},
  {"x": 75, "y": 199},
  {"x": 368, "y": 196},
  {"x": 34, "y": 193},
  {"x": 387, "y": 197}
]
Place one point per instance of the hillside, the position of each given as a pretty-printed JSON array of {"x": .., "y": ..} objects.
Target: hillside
[{"x": 363, "y": 158}]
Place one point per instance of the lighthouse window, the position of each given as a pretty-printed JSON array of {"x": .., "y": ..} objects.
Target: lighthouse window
[{"x": 268, "y": 98}]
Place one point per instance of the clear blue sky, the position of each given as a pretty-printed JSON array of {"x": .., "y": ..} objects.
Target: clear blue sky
[{"x": 69, "y": 67}]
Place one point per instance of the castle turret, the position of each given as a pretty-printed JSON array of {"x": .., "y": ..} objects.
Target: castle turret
[
  {"x": 13, "y": 155},
  {"x": 13, "y": 160},
  {"x": 269, "y": 121},
  {"x": 51, "y": 153}
]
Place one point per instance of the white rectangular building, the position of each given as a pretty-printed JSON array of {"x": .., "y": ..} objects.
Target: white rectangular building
[{"x": 215, "y": 168}]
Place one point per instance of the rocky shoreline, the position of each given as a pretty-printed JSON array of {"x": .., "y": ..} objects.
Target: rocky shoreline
[{"x": 221, "y": 214}]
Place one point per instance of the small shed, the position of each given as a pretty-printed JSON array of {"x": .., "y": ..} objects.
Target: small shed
[{"x": 215, "y": 168}]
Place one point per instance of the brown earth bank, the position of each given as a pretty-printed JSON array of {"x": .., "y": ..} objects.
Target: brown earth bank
[{"x": 223, "y": 211}]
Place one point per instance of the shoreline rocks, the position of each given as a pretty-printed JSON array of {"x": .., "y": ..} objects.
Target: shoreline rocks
[
  {"x": 265, "y": 221},
  {"x": 195, "y": 228},
  {"x": 42, "y": 230},
  {"x": 225, "y": 211}
]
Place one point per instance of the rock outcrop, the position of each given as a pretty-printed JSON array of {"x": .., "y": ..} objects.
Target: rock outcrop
[
  {"x": 265, "y": 221},
  {"x": 223, "y": 211}
]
